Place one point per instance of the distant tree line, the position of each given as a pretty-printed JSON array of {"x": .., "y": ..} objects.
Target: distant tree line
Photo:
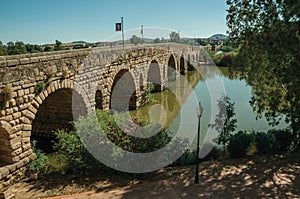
[{"x": 19, "y": 47}]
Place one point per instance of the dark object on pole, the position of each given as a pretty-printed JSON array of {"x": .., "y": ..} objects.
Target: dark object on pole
[
  {"x": 199, "y": 114},
  {"x": 122, "y": 30},
  {"x": 118, "y": 27}
]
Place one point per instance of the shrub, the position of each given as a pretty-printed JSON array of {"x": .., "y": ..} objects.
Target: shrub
[
  {"x": 41, "y": 163},
  {"x": 285, "y": 139},
  {"x": 70, "y": 146},
  {"x": 239, "y": 144},
  {"x": 77, "y": 155},
  {"x": 149, "y": 89},
  {"x": 120, "y": 134},
  {"x": 187, "y": 158},
  {"x": 264, "y": 142},
  {"x": 214, "y": 154}
]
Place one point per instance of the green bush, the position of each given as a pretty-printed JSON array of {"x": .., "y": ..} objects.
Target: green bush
[
  {"x": 120, "y": 134},
  {"x": 41, "y": 163},
  {"x": 70, "y": 146},
  {"x": 80, "y": 160},
  {"x": 239, "y": 144},
  {"x": 264, "y": 142},
  {"x": 285, "y": 139},
  {"x": 187, "y": 158},
  {"x": 214, "y": 154}
]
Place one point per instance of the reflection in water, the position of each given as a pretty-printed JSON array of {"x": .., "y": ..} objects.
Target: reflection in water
[{"x": 235, "y": 88}]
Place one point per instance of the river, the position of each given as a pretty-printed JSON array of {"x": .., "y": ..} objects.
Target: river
[{"x": 204, "y": 83}]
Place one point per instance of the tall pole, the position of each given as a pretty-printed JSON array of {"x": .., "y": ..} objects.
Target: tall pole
[
  {"x": 122, "y": 23},
  {"x": 199, "y": 114},
  {"x": 142, "y": 32},
  {"x": 197, "y": 158}
]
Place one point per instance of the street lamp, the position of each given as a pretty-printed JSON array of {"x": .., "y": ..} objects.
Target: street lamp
[{"x": 199, "y": 114}]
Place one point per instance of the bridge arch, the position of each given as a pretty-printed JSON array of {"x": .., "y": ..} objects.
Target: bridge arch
[
  {"x": 155, "y": 75},
  {"x": 171, "y": 72},
  {"x": 182, "y": 65},
  {"x": 123, "y": 91},
  {"x": 55, "y": 108},
  {"x": 99, "y": 98}
]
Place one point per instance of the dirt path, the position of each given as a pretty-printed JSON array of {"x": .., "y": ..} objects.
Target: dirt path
[{"x": 271, "y": 177}]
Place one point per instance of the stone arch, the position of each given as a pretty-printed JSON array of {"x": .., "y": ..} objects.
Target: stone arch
[
  {"x": 7, "y": 145},
  {"x": 123, "y": 91},
  {"x": 182, "y": 65},
  {"x": 99, "y": 98},
  {"x": 171, "y": 68},
  {"x": 56, "y": 108},
  {"x": 154, "y": 75}
]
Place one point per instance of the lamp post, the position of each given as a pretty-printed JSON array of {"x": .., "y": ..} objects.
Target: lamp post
[
  {"x": 122, "y": 24},
  {"x": 199, "y": 114}
]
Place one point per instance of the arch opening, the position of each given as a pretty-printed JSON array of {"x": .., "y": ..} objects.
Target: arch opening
[
  {"x": 171, "y": 69},
  {"x": 99, "y": 100},
  {"x": 154, "y": 76},
  {"x": 123, "y": 93},
  {"x": 182, "y": 65},
  {"x": 56, "y": 112}
]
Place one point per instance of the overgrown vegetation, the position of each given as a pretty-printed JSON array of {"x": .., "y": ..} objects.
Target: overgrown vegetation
[
  {"x": 79, "y": 159},
  {"x": 239, "y": 144},
  {"x": 268, "y": 36},
  {"x": 41, "y": 86},
  {"x": 41, "y": 164},
  {"x": 149, "y": 89}
]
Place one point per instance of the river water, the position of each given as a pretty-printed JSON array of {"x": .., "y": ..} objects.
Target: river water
[{"x": 206, "y": 82}]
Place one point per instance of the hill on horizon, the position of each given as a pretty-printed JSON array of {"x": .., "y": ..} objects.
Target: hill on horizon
[{"x": 221, "y": 36}]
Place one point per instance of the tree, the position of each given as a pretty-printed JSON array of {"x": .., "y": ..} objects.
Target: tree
[
  {"x": 3, "y": 50},
  {"x": 47, "y": 48},
  {"x": 157, "y": 40},
  {"x": 135, "y": 40},
  {"x": 225, "y": 123},
  {"x": 58, "y": 45},
  {"x": 269, "y": 38},
  {"x": 174, "y": 37},
  {"x": 16, "y": 48}
]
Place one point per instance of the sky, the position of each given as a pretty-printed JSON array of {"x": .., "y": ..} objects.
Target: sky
[{"x": 44, "y": 21}]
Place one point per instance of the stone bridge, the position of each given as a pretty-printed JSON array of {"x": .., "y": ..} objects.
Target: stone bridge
[{"x": 40, "y": 92}]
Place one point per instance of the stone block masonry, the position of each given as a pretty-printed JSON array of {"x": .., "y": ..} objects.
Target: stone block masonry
[{"x": 43, "y": 92}]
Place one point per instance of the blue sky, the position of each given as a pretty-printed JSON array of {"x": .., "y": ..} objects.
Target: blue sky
[{"x": 44, "y": 21}]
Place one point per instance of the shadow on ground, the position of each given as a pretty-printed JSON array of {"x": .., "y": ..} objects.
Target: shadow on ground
[{"x": 276, "y": 176}]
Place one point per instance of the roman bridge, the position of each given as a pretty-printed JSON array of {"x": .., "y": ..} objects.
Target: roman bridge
[{"x": 41, "y": 92}]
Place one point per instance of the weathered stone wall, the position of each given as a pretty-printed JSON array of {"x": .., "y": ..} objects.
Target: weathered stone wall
[{"x": 37, "y": 91}]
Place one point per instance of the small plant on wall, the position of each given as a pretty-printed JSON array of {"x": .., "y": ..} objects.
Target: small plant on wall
[
  {"x": 49, "y": 73},
  {"x": 41, "y": 86},
  {"x": 7, "y": 94},
  {"x": 65, "y": 74}
]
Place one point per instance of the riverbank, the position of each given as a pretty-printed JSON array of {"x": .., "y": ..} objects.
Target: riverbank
[{"x": 274, "y": 176}]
